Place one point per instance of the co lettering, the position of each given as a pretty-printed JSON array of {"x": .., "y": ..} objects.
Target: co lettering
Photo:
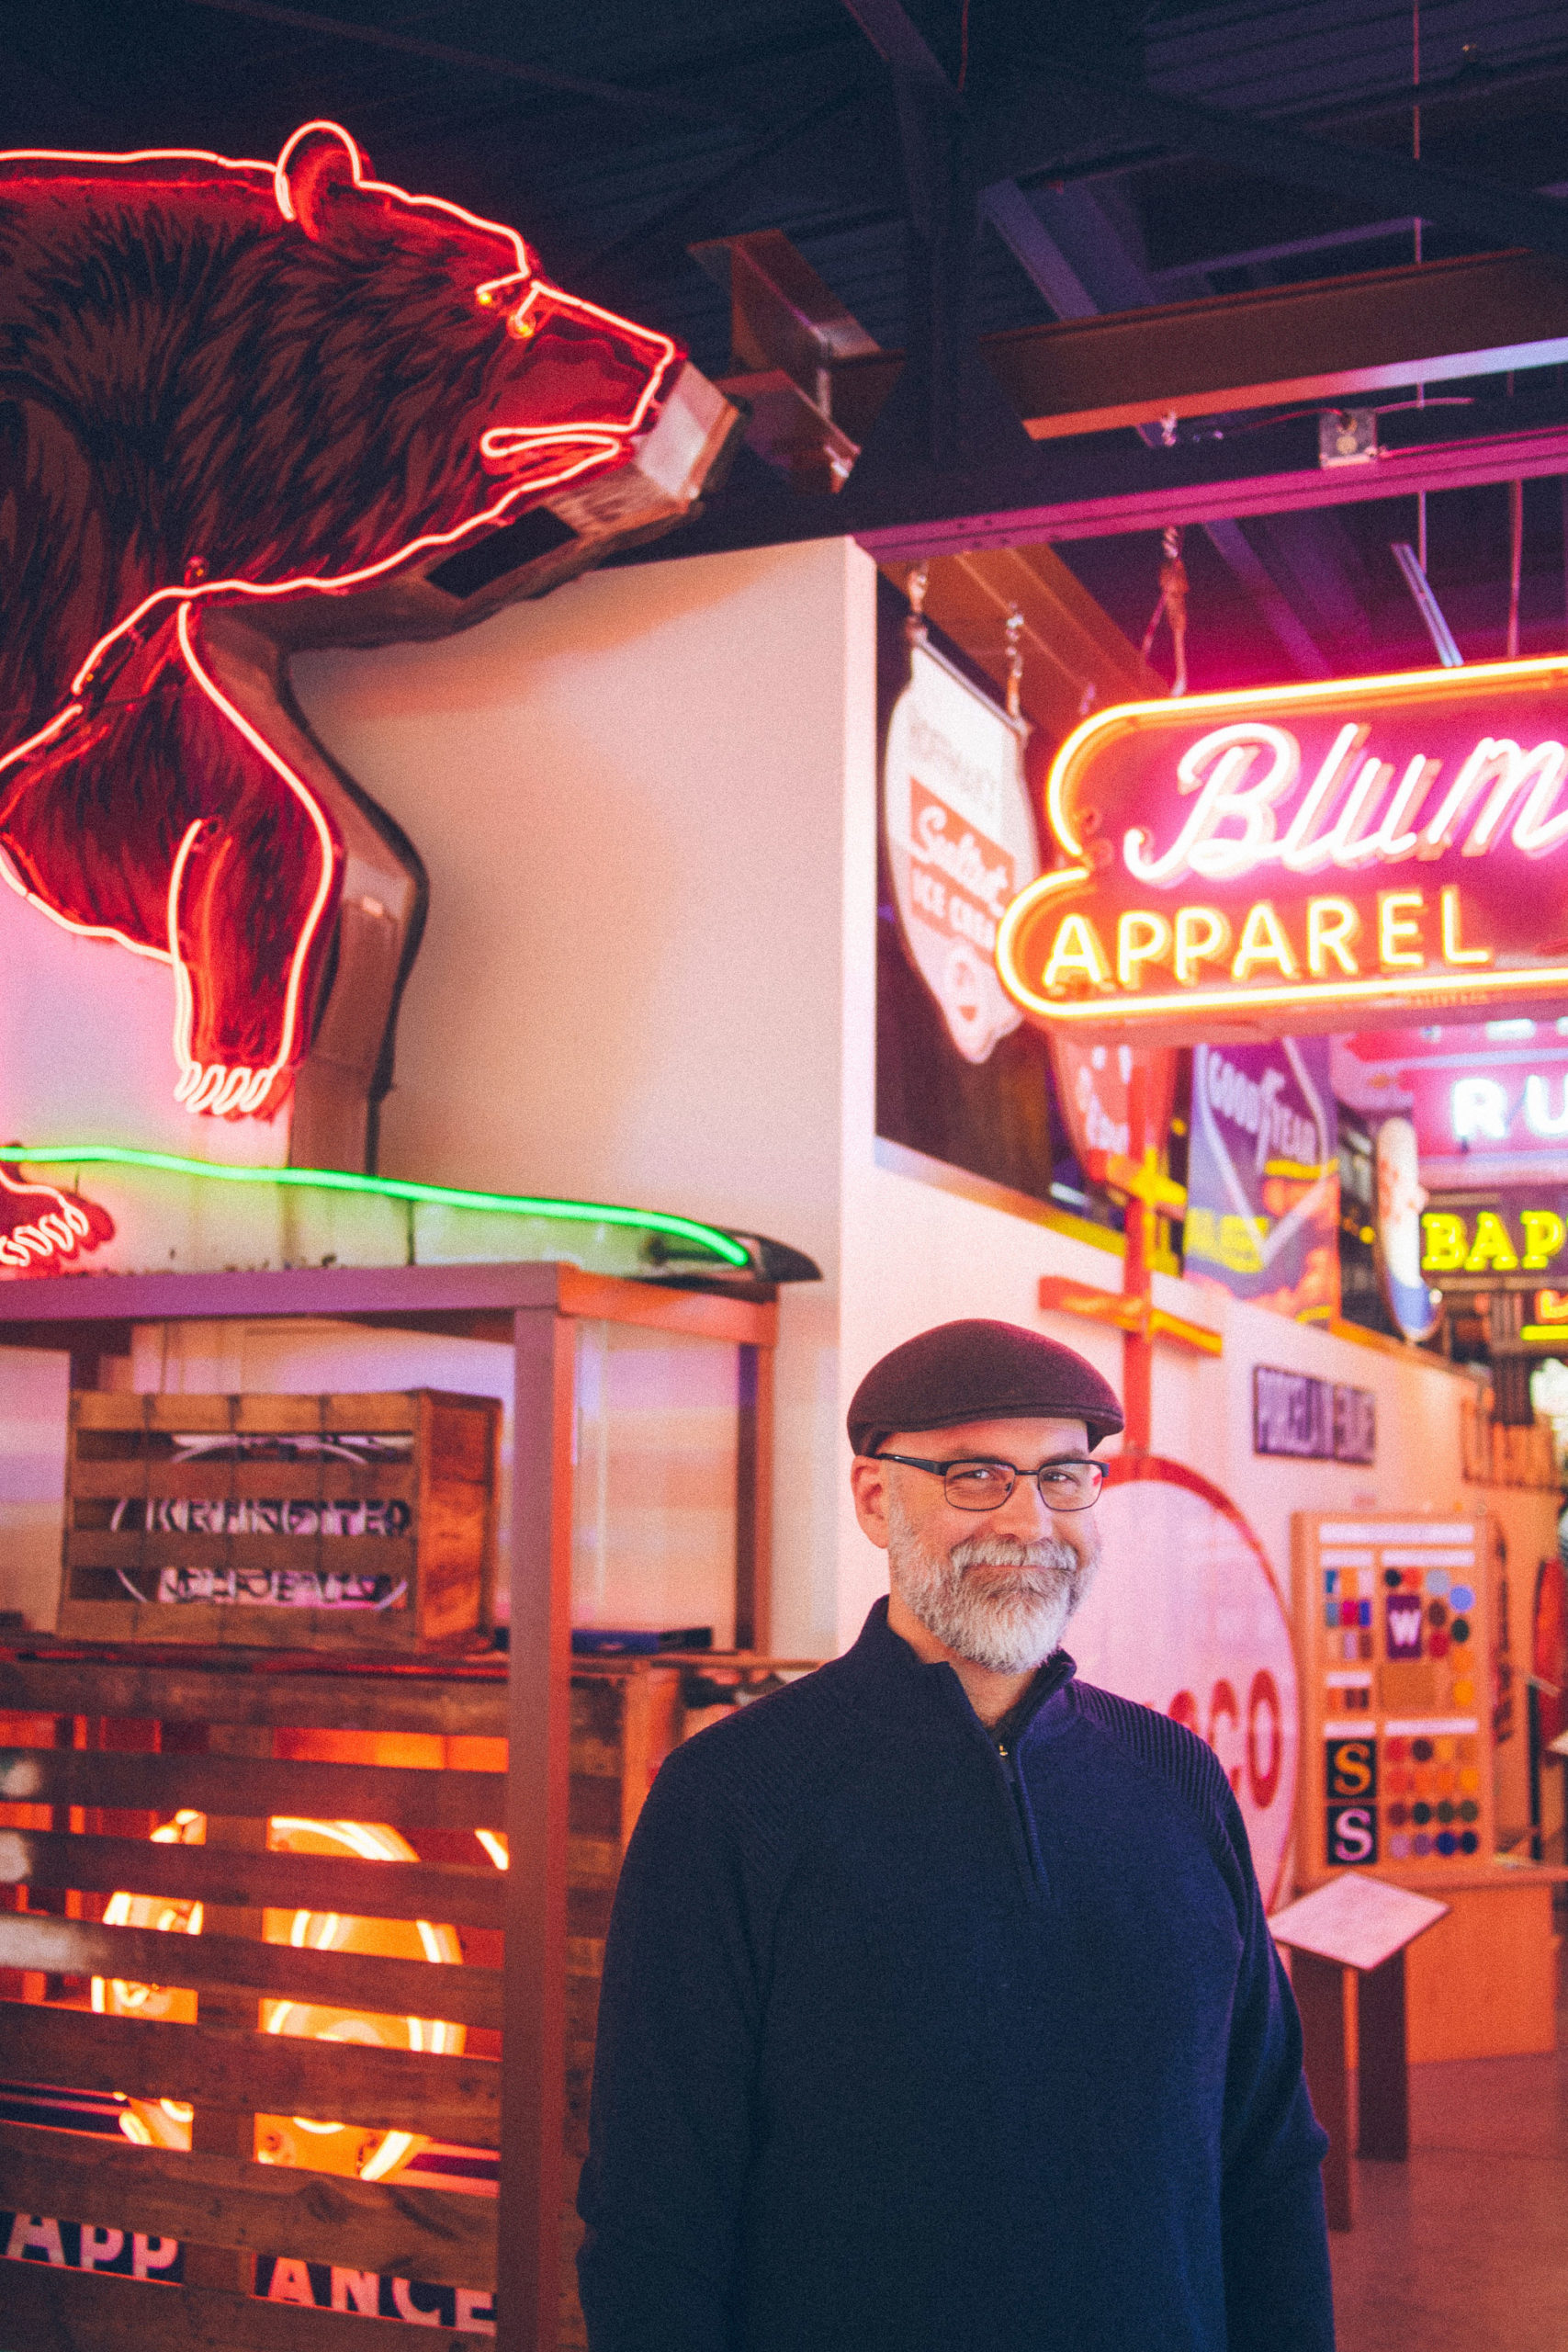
[{"x": 1263, "y": 1751}]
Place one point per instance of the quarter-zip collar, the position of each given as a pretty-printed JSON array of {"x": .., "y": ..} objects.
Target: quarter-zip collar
[
  {"x": 887, "y": 1658},
  {"x": 889, "y": 1664}
]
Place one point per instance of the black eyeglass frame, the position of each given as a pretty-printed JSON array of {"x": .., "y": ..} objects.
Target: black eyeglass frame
[{"x": 994, "y": 1462}]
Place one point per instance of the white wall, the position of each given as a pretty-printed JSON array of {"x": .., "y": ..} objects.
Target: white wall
[{"x": 630, "y": 797}]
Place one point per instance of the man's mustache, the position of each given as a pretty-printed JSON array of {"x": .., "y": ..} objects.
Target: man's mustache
[{"x": 1047, "y": 1555}]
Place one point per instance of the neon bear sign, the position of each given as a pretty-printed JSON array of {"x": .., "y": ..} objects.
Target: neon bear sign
[
  {"x": 284, "y": 399},
  {"x": 1293, "y": 858}
]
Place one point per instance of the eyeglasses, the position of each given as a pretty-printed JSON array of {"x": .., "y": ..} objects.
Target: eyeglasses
[{"x": 1071, "y": 1484}]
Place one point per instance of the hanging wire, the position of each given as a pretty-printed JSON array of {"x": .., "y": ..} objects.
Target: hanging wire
[
  {"x": 915, "y": 619},
  {"x": 1516, "y": 562},
  {"x": 1171, "y": 607},
  {"x": 1015, "y": 661}
]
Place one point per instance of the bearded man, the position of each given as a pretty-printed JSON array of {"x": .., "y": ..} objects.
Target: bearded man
[{"x": 940, "y": 2012}]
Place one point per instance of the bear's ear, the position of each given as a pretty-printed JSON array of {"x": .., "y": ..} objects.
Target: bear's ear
[{"x": 320, "y": 159}]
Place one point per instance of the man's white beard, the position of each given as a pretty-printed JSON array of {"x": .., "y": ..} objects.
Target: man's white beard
[{"x": 1009, "y": 1623}]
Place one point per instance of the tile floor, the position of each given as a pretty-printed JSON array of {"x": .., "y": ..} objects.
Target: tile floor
[{"x": 1465, "y": 2248}]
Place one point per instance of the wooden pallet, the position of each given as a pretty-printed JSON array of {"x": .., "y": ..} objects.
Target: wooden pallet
[{"x": 93, "y": 1751}]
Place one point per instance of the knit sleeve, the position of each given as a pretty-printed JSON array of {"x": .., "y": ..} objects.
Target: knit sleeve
[
  {"x": 669, "y": 2131},
  {"x": 1277, "y": 2296}
]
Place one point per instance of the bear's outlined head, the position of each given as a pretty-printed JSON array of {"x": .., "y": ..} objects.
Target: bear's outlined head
[{"x": 574, "y": 382}]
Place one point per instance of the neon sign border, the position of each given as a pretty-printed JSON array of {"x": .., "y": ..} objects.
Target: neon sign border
[
  {"x": 1429, "y": 990},
  {"x": 709, "y": 1238},
  {"x": 216, "y": 1088}
]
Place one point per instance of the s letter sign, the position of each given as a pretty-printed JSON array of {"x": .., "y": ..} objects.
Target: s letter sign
[{"x": 1304, "y": 857}]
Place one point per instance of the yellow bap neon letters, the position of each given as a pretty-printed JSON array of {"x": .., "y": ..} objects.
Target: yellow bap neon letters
[
  {"x": 1544, "y": 1236},
  {"x": 1446, "y": 1242},
  {"x": 1491, "y": 1251}
]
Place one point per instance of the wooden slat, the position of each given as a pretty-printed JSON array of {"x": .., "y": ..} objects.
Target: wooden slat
[
  {"x": 392, "y": 1555},
  {"x": 77, "y": 2311},
  {"x": 409, "y": 1796},
  {"x": 446, "y": 2236},
  {"x": 271, "y": 2074},
  {"x": 333, "y": 1980},
  {"x": 241, "y": 1881},
  {"x": 254, "y": 1691},
  {"x": 201, "y": 1481},
  {"x": 201, "y": 1624}
]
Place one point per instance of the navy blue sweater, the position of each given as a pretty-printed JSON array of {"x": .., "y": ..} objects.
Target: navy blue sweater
[{"x": 906, "y": 2048}]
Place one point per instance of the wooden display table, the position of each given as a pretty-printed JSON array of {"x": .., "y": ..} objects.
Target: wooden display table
[{"x": 1483, "y": 1983}]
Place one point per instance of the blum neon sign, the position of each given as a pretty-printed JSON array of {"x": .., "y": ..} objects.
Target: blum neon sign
[{"x": 1291, "y": 857}]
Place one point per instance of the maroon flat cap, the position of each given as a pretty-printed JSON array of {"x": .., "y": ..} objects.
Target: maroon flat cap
[{"x": 979, "y": 1370}]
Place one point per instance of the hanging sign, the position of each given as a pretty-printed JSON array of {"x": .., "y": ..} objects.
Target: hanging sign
[
  {"x": 1304, "y": 857},
  {"x": 1094, "y": 1091},
  {"x": 1312, "y": 1421},
  {"x": 961, "y": 842},
  {"x": 1414, "y": 1305},
  {"x": 1504, "y": 1240},
  {"x": 1490, "y": 1106},
  {"x": 1210, "y": 1645},
  {"x": 1263, "y": 1177}
]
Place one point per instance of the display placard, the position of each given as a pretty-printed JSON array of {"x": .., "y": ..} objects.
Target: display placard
[
  {"x": 1393, "y": 1618},
  {"x": 960, "y": 841},
  {"x": 1312, "y": 1421}
]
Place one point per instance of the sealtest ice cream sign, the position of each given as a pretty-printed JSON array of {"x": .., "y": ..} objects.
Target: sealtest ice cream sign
[
  {"x": 1302, "y": 857},
  {"x": 961, "y": 842}
]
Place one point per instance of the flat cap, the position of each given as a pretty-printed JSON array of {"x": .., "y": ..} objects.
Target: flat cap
[{"x": 979, "y": 1371}]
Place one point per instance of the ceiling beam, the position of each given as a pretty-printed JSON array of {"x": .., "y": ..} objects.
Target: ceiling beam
[
  {"x": 1108, "y": 276},
  {"x": 1322, "y": 343},
  {"x": 1094, "y": 512},
  {"x": 1036, "y": 124}
]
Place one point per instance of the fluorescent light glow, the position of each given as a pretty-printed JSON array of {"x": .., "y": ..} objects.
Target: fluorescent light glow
[{"x": 705, "y": 1238}]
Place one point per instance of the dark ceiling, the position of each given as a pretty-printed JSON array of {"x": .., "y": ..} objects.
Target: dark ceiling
[{"x": 616, "y": 134}]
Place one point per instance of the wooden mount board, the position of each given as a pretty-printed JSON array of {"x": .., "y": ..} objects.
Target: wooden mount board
[
  {"x": 449, "y": 2098},
  {"x": 81, "y": 2311},
  {"x": 264, "y": 1689},
  {"x": 335, "y": 1980},
  {"x": 240, "y": 1879},
  {"x": 444, "y": 2236},
  {"x": 408, "y": 1797},
  {"x": 1393, "y": 1617}
]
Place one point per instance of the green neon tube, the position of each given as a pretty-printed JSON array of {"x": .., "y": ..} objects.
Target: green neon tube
[{"x": 395, "y": 1188}]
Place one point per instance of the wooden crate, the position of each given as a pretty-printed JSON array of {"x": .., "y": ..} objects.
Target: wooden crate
[{"x": 194, "y": 1519}]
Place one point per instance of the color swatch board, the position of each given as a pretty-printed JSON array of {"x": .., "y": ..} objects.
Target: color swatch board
[{"x": 1393, "y": 1619}]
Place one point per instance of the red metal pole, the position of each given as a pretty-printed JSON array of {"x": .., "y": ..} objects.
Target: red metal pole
[{"x": 1137, "y": 1349}]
